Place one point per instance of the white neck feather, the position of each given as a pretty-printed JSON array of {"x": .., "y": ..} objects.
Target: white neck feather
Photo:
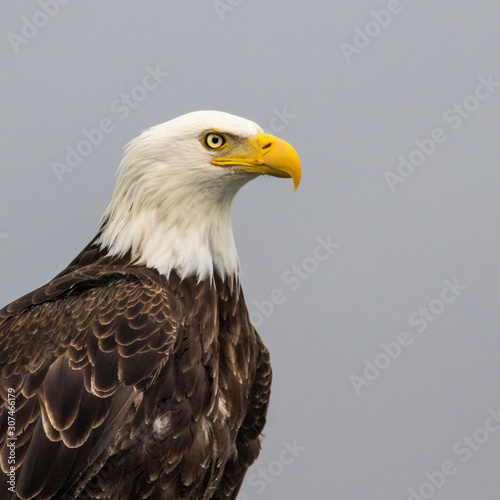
[
  {"x": 195, "y": 246},
  {"x": 187, "y": 230}
]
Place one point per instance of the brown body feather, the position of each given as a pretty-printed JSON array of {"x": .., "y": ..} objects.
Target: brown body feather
[{"x": 130, "y": 385}]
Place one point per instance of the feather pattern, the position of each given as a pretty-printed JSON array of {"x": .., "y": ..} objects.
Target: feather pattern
[{"x": 131, "y": 385}]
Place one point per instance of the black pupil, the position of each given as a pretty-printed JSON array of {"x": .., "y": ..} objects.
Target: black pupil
[{"x": 215, "y": 139}]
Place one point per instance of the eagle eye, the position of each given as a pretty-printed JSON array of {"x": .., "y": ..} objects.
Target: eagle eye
[{"x": 214, "y": 141}]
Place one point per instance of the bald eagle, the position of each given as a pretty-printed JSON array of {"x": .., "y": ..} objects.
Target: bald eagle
[{"x": 136, "y": 373}]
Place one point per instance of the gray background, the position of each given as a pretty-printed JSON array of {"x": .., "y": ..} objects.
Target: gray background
[{"x": 351, "y": 122}]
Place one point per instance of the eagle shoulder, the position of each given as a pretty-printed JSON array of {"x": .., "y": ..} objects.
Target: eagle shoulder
[{"x": 76, "y": 354}]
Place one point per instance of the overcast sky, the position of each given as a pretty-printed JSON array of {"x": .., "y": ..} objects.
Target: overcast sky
[{"x": 375, "y": 286}]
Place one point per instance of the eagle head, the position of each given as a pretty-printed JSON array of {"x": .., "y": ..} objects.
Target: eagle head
[{"x": 176, "y": 183}]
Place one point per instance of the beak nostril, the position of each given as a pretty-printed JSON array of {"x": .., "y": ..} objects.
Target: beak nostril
[{"x": 268, "y": 145}]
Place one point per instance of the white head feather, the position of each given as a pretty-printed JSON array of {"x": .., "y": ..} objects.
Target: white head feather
[{"x": 171, "y": 205}]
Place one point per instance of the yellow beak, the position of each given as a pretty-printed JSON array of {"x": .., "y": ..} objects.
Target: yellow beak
[{"x": 266, "y": 154}]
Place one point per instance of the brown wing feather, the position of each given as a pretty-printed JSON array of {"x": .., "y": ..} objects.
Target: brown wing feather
[
  {"x": 74, "y": 351},
  {"x": 248, "y": 440}
]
